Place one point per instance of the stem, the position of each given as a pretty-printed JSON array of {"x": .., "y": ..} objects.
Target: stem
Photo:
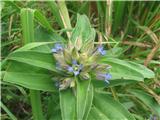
[
  {"x": 64, "y": 16},
  {"x": 108, "y": 23},
  {"x": 36, "y": 105},
  {"x": 27, "y": 21}
]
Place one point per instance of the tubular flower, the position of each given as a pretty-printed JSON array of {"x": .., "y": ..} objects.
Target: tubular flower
[
  {"x": 101, "y": 50},
  {"x": 78, "y": 61},
  {"x": 57, "y": 48}
]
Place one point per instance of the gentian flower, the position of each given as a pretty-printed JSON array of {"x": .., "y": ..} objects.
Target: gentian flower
[
  {"x": 106, "y": 77},
  {"x": 72, "y": 62},
  {"x": 75, "y": 68},
  {"x": 101, "y": 50},
  {"x": 57, "y": 48}
]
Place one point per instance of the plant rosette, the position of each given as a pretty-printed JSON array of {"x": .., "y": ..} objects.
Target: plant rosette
[{"x": 77, "y": 60}]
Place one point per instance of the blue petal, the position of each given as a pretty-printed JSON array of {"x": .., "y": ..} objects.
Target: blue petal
[
  {"x": 70, "y": 69},
  {"x": 103, "y": 52},
  {"x": 54, "y": 50},
  {"x": 108, "y": 76},
  {"x": 74, "y": 62},
  {"x": 57, "y": 45},
  {"x": 100, "y": 48},
  {"x": 76, "y": 73}
]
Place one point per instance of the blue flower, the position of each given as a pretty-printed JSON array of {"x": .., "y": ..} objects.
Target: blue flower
[
  {"x": 101, "y": 50},
  {"x": 57, "y": 48},
  {"x": 75, "y": 68},
  {"x": 106, "y": 77}
]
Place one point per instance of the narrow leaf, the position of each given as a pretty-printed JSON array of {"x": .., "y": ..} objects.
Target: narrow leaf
[
  {"x": 27, "y": 20},
  {"x": 147, "y": 99}
]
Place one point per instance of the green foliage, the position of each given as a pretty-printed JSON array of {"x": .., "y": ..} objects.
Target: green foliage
[{"x": 29, "y": 66}]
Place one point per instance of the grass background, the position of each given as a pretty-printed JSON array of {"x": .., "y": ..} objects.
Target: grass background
[{"x": 130, "y": 28}]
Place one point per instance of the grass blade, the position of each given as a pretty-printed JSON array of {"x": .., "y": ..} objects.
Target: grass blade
[
  {"x": 7, "y": 111},
  {"x": 64, "y": 16}
]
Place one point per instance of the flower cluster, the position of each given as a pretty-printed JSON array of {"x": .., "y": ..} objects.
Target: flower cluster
[{"x": 79, "y": 61}]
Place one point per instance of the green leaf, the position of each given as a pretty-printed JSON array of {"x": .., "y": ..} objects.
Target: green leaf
[
  {"x": 128, "y": 70},
  {"x": 42, "y": 20},
  {"x": 89, "y": 102},
  {"x": 116, "y": 82},
  {"x": 96, "y": 114},
  {"x": 147, "y": 99},
  {"x": 83, "y": 30},
  {"x": 42, "y": 35},
  {"x": 33, "y": 45},
  {"x": 63, "y": 11},
  {"x": 108, "y": 108},
  {"x": 29, "y": 77},
  {"x": 27, "y": 18},
  {"x": 37, "y": 59},
  {"x": 67, "y": 104},
  {"x": 84, "y": 91},
  {"x": 55, "y": 11}
]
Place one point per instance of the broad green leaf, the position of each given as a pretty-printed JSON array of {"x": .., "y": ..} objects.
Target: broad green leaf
[
  {"x": 116, "y": 82},
  {"x": 147, "y": 100},
  {"x": 29, "y": 77},
  {"x": 84, "y": 90},
  {"x": 96, "y": 114},
  {"x": 67, "y": 104},
  {"x": 42, "y": 35},
  {"x": 33, "y": 45},
  {"x": 109, "y": 108},
  {"x": 127, "y": 70},
  {"x": 147, "y": 73},
  {"x": 83, "y": 30},
  {"x": 37, "y": 59}
]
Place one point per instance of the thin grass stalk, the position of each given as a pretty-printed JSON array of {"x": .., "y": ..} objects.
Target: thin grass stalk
[
  {"x": 64, "y": 16},
  {"x": 27, "y": 20},
  {"x": 108, "y": 21},
  {"x": 129, "y": 21}
]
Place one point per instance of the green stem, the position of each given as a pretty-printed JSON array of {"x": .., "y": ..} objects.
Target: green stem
[
  {"x": 64, "y": 16},
  {"x": 27, "y": 21},
  {"x": 36, "y": 105}
]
